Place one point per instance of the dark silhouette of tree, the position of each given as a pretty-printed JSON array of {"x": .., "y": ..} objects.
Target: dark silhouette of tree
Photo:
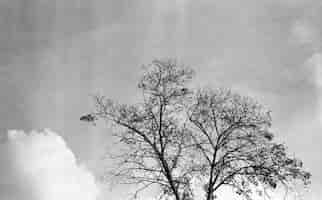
[
  {"x": 177, "y": 135},
  {"x": 153, "y": 131},
  {"x": 236, "y": 146}
]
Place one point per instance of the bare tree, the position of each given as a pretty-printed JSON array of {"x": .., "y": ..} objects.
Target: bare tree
[
  {"x": 153, "y": 131},
  {"x": 236, "y": 146},
  {"x": 176, "y": 135}
]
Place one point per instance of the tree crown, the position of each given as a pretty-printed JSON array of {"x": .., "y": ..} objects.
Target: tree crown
[{"x": 176, "y": 135}]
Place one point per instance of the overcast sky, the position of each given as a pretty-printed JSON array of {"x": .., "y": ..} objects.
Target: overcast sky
[{"x": 55, "y": 54}]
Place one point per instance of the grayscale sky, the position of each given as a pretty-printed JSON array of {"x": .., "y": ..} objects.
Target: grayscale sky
[{"x": 55, "y": 54}]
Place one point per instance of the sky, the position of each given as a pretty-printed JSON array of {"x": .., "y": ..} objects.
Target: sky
[{"x": 55, "y": 54}]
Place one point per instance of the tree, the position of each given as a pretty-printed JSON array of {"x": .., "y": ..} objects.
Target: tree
[
  {"x": 236, "y": 146},
  {"x": 176, "y": 135},
  {"x": 152, "y": 130}
]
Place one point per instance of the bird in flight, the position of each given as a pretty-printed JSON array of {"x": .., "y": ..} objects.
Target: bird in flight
[{"x": 88, "y": 118}]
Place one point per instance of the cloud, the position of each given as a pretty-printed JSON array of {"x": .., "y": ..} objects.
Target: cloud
[
  {"x": 315, "y": 63},
  {"x": 306, "y": 32},
  {"x": 303, "y": 32},
  {"x": 40, "y": 166}
]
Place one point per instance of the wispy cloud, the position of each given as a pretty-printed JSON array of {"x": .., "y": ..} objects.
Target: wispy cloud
[{"x": 303, "y": 32}]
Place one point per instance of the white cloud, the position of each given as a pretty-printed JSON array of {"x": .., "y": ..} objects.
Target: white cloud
[
  {"x": 40, "y": 166},
  {"x": 315, "y": 63},
  {"x": 304, "y": 33}
]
